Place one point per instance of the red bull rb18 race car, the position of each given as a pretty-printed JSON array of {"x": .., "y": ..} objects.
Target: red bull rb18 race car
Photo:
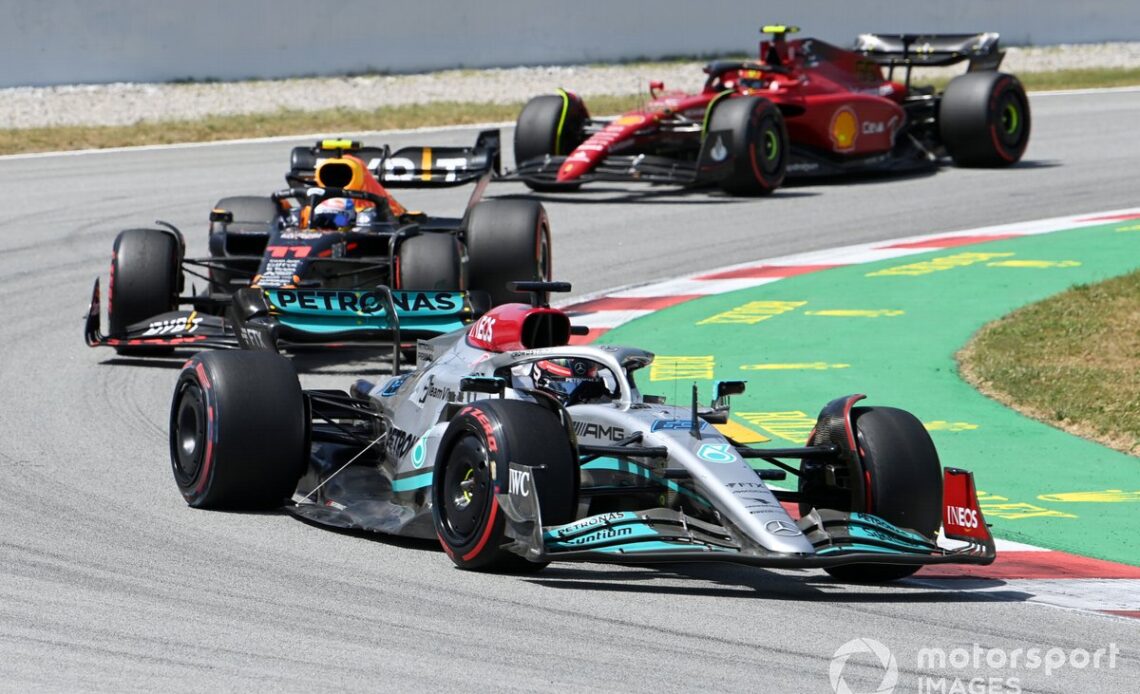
[
  {"x": 805, "y": 109},
  {"x": 319, "y": 252},
  {"x": 514, "y": 449}
]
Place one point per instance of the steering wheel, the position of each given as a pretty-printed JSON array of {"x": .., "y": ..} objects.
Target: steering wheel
[{"x": 589, "y": 390}]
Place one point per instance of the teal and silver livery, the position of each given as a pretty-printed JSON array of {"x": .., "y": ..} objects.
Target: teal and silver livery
[{"x": 514, "y": 448}]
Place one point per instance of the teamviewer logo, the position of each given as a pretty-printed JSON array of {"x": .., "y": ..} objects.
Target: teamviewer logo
[{"x": 855, "y": 647}]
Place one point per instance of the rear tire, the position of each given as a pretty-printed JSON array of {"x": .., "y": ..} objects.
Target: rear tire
[
  {"x": 759, "y": 144},
  {"x": 507, "y": 240},
  {"x": 550, "y": 124},
  {"x": 145, "y": 273},
  {"x": 430, "y": 262},
  {"x": 481, "y": 442},
  {"x": 238, "y": 430},
  {"x": 905, "y": 478},
  {"x": 984, "y": 120}
]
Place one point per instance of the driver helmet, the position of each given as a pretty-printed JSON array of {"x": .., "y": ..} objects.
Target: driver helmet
[
  {"x": 341, "y": 214},
  {"x": 562, "y": 377}
]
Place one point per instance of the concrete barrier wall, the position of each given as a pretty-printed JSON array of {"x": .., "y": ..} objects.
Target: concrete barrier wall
[{"x": 44, "y": 42}]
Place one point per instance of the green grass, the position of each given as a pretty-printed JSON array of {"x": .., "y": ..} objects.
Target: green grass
[
  {"x": 342, "y": 120},
  {"x": 1072, "y": 361}
]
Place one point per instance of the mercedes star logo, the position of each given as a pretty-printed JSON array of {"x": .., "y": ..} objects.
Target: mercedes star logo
[{"x": 781, "y": 527}]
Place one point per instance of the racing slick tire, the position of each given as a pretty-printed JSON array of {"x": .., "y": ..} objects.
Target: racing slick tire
[
  {"x": 983, "y": 119},
  {"x": 905, "y": 480},
  {"x": 507, "y": 240},
  {"x": 145, "y": 274},
  {"x": 551, "y": 124},
  {"x": 429, "y": 262},
  {"x": 760, "y": 144},
  {"x": 238, "y": 430},
  {"x": 252, "y": 214},
  {"x": 475, "y": 453}
]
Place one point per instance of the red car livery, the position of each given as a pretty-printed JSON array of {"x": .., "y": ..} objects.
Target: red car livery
[{"x": 806, "y": 108}]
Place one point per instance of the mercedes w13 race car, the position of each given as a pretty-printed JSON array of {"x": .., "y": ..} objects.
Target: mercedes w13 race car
[
  {"x": 516, "y": 449},
  {"x": 835, "y": 108},
  {"x": 333, "y": 238}
]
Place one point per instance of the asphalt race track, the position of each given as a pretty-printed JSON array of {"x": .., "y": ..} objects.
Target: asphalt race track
[{"x": 108, "y": 581}]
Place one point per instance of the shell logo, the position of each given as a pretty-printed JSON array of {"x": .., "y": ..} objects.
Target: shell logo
[
  {"x": 844, "y": 128},
  {"x": 630, "y": 120}
]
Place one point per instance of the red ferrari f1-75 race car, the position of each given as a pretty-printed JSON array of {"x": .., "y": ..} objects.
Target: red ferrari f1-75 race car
[{"x": 806, "y": 108}]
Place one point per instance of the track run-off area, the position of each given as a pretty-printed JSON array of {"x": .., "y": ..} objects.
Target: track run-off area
[
  {"x": 885, "y": 319},
  {"x": 108, "y": 581}
]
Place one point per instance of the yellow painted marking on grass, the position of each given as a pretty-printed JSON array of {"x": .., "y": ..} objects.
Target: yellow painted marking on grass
[
  {"x": 994, "y": 506},
  {"x": 753, "y": 312},
  {"x": 791, "y": 425},
  {"x": 943, "y": 425},
  {"x": 425, "y": 164},
  {"x": 740, "y": 433},
  {"x": 1034, "y": 263},
  {"x": 794, "y": 366},
  {"x": 856, "y": 313},
  {"x": 944, "y": 263},
  {"x": 1131, "y": 227},
  {"x": 1108, "y": 496},
  {"x": 682, "y": 368}
]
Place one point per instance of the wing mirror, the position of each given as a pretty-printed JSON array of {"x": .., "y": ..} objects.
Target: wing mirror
[
  {"x": 724, "y": 392},
  {"x": 492, "y": 385}
]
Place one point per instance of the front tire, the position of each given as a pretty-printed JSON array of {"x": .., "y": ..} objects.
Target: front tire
[
  {"x": 238, "y": 430},
  {"x": 473, "y": 463},
  {"x": 145, "y": 273},
  {"x": 549, "y": 125},
  {"x": 760, "y": 144},
  {"x": 905, "y": 482},
  {"x": 507, "y": 240},
  {"x": 984, "y": 120},
  {"x": 430, "y": 262}
]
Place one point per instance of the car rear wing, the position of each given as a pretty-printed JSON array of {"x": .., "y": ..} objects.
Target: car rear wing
[
  {"x": 931, "y": 50},
  {"x": 407, "y": 167}
]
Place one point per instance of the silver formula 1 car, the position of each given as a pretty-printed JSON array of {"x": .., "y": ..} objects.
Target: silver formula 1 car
[{"x": 516, "y": 448}]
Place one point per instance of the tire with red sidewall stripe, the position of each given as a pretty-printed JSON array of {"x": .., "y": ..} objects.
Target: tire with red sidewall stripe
[
  {"x": 904, "y": 482},
  {"x": 507, "y": 241},
  {"x": 473, "y": 463},
  {"x": 238, "y": 430},
  {"x": 430, "y": 262},
  {"x": 145, "y": 277},
  {"x": 760, "y": 144},
  {"x": 983, "y": 119}
]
